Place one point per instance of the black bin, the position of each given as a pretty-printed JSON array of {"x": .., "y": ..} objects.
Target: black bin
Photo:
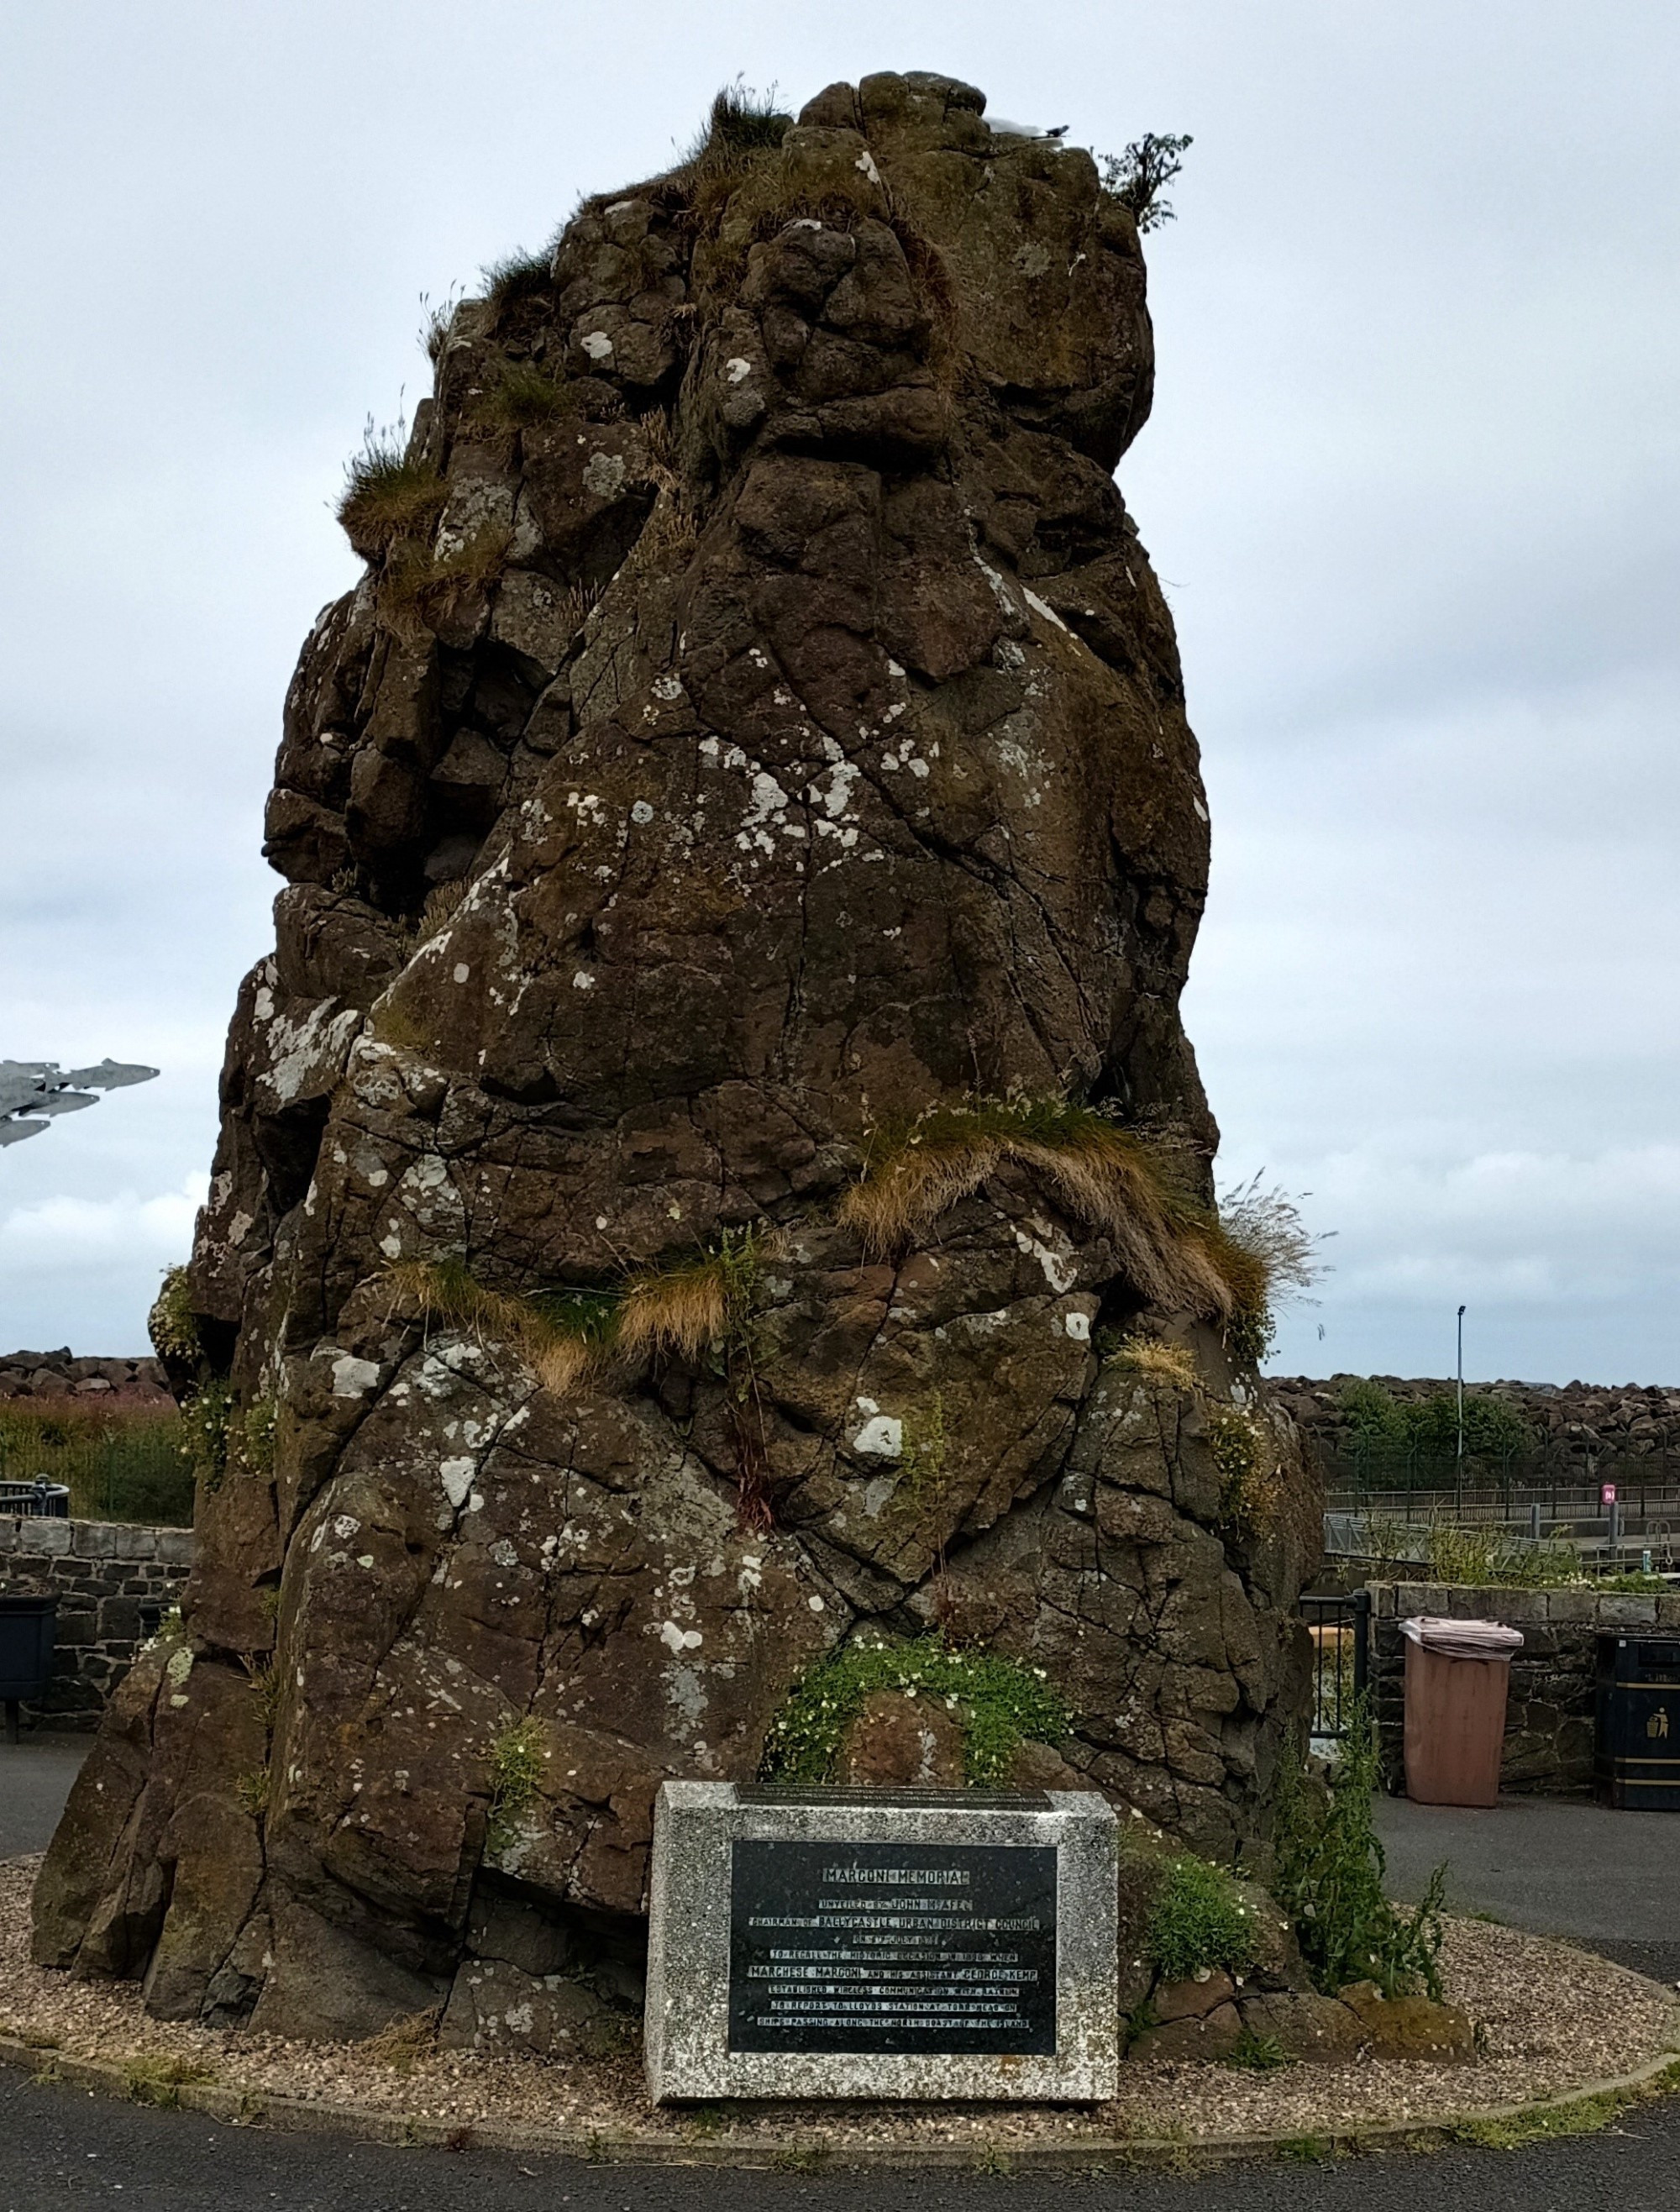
[
  {"x": 28, "y": 1632},
  {"x": 1637, "y": 1761}
]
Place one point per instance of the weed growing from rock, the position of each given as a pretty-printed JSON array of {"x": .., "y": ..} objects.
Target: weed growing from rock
[
  {"x": 171, "y": 1324},
  {"x": 1197, "y": 1922},
  {"x": 1248, "y": 1472},
  {"x": 1330, "y": 1865},
  {"x": 997, "y": 1701},
  {"x": 1257, "y": 2054},
  {"x": 516, "y": 1771},
  {"x": 152, "y": 2080},
  {"x": 524, "y": 398}
]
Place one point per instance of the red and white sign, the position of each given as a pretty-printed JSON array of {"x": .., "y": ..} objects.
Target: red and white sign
[{"x": 1606, "y": 1493}]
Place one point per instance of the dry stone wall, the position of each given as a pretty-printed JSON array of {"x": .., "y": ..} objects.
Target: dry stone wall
[{"x": 112, "y": 1581}]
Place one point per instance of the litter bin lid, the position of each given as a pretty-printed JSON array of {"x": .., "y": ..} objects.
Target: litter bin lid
[{"x": 1463, "y": 1639}]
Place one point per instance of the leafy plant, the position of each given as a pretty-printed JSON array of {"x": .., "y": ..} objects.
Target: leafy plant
[
  {"x": 1139, "y": 176},
  {"x": 1329, "y": 1878},
  {"x": 997, "y": 1701},
  {"x": 205, "y": 1422},
  {"x": 1197, "y": 1921},
  {"x": 1256, "y": 2053},
  {"x": 516, "y": 1771},
  {"x": 1248, "y": 1472},
  {"x": 171, "y": 1324}
]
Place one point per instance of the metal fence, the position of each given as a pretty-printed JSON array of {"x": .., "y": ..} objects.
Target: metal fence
[{"x": 1340, "y": 1628}]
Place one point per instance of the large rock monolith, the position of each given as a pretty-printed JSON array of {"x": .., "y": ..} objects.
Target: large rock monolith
[{"x": 710, "y": 1174}]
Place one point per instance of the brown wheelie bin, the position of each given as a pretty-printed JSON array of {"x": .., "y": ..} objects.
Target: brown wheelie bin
[{"x": 1457, "y": 1674}]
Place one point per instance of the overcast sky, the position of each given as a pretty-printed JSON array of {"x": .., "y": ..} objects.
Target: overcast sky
[{"x": 1413, "y": 480}]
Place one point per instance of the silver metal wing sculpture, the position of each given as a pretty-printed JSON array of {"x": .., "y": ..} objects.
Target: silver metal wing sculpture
[{"x": 33, "y": 1091}]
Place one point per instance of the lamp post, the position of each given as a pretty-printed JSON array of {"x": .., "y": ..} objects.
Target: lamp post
[{"x": 1458, "y": 1471}]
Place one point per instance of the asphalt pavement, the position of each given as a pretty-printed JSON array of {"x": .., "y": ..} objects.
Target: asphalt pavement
[
  {"x": 1606, "y": 1879},
  {"x": 1559, "y": 1866}
]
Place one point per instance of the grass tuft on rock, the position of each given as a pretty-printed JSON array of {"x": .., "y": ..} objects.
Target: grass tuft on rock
[
  {"x": 386, "y": 496},
  {"x": 1198, "y": 1921},
  {"x": 524, "y": 398},
  {"x": 517, "y": 275},
  {"x": 1130, "y": 1186},
  {"x": 997, "y": 1702},
  {"x": 694, "y": 1310}
]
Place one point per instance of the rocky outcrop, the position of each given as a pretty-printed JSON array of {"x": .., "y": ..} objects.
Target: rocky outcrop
[
  {"x": 758, "y": 729},
  {"x": 60, "y": 1374}
]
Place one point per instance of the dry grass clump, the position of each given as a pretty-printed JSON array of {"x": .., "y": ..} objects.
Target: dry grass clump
[
  {"x": 1118, "y": 1181},
  {"x": 403, "y": 2045},
  {"x": 568, "y": 1339},
  {"x": 386, "y": 496},
  {"x": 429, "y": 588},
  {"x": 1164, "y": 1366},
  {"x": 684, "y": 1311}
]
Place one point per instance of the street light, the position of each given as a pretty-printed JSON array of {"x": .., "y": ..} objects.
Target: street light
[{"x": 1460, "y": 1470}]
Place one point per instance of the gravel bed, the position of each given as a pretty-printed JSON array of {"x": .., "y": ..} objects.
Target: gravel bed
[{"x": 1553, "y": 2019}]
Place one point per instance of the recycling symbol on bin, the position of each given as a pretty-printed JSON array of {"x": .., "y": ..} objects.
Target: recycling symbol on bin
[{"x": 1658, "y": 1723}]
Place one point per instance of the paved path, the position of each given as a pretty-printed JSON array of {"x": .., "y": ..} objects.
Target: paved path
[
  {"x": 1559, "y": 1866},
  {"x": 1562, "y": 1868},
  {"x": 67, "y": 2152},
  {"x": 36, "y": 1778}
]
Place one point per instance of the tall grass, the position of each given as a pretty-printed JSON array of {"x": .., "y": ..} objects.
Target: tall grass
[{"x": 120, "y": 1463}]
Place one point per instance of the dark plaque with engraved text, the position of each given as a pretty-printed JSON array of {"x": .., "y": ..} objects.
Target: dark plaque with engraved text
[{"x": 894, "y": 1948}]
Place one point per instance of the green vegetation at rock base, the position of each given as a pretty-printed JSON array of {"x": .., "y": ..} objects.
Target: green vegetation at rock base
[{"x": 997, "y": 1701}]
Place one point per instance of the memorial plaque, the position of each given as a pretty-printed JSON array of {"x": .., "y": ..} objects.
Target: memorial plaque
[
  {"x": 913, "y": 1947},
  {"x": 846, "y": 1943}
]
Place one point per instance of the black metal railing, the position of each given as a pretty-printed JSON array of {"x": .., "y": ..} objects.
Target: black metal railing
[{"x": 1340, "y": 1628}]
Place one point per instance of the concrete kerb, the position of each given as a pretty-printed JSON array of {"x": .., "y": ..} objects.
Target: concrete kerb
[{"x": 1546, "y": 2116}]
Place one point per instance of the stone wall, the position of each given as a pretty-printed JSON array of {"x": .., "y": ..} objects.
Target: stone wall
[
  {"x": 1548, "y": 1725},
  {"x": 102, "y": 1573}
]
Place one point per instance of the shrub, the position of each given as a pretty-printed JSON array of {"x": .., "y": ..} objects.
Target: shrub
[
  {"x": 1329, "y": 1866},
  {"x": 741, "y": 120},
  {"x": 386, "y": 496},
  {"x": 429, "y": 588},
  {"x": 1197, "y": 1920},
  {"x": 997, "y": 1701},
  {"x": 1138, "y": 177}
]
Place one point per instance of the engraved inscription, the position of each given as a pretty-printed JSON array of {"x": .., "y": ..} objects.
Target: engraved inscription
[{"x": 893, "y": 1947}]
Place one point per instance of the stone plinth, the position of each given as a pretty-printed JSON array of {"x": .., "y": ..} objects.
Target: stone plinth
[{"x": 876, "y": 1944}]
